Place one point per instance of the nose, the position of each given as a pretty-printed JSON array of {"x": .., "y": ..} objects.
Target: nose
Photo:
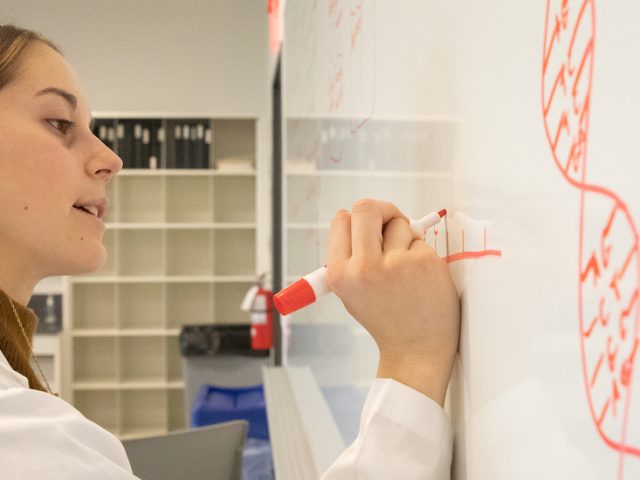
[{"x": 103, "y": 162}]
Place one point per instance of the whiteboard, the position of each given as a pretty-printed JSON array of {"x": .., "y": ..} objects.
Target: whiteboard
[{"x": 518, "y": 117}]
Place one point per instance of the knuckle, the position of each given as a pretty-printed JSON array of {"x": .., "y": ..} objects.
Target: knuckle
[
  {"x": 341, "y": 215},
  {"x": 397, "y": 225},
  {"x": 363, "y": 205}
]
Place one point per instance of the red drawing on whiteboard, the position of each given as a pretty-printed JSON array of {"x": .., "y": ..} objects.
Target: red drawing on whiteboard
[
  {"x": 609, "y": 264},
  {"x": 356, "y": 23},
  {"x": 455, "y": 249},
  {"x": 335, "y": 86},
  {"x": 347, "y": 84}
]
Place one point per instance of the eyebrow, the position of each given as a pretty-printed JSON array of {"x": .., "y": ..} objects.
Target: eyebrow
[{"x": 69, "y": 97}]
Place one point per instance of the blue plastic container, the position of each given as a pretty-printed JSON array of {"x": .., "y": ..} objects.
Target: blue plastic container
[{"x": 221, "y": 404}]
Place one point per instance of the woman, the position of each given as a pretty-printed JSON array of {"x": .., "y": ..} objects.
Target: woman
[{"x": 53, "y": 176}]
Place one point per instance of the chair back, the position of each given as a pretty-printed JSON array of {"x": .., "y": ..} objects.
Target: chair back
[{"x": 213, "y": 453}]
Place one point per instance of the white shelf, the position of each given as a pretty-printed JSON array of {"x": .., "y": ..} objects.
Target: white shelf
[
  {"x": 182, "y": 249},
  {"x": 180, "y": 226},
  {"x": 146, "y": 114},
  {"x": 93, "y": 386},
  {"x": 184, "y": 172},
  {"x": 309, "y": 226},
  {"x": 165, "y": 279},
  {"x": 150, "y": 332}
]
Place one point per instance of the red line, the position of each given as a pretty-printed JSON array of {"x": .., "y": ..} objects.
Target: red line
[
  {"x": 595, "y": 371},
  {"x": 625, "y": 313},
  {"x": 632, "y": 252},
  {"x": 556, "y": 34},
  {"x": 604, "y": 319},
  {"x": 602, "y": 414},
  {"x": 559, "y": 81},
  {"x": 446, "y": 234},
  {"x": 471, "y": 255},
  {"x": 591, "y": 265},
  {"x": 587, "y": 334}
]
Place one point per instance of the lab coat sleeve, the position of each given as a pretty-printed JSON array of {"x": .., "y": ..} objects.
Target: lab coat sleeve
[
  {"x": 403, "y": 435},
  {"x": 42, "y": 436}
]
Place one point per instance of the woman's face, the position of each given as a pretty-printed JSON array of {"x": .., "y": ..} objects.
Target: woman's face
[{"x": 50, "y": 165}]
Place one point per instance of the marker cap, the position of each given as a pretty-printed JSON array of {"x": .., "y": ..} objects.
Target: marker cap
[{"x": 294, "y": 297}]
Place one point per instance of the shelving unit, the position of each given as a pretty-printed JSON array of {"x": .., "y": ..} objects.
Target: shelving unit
[{"x": 182, "y": 249}]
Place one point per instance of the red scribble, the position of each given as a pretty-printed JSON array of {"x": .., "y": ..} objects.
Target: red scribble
[
  {"x": 472, "y": 255},
  {"x": 335, "y": 12},
  {"x": 596, "y": 370},
  {"x": 335, "y": 87},
  {"x": 607, "y": 255},
  {"x": 356, "y": 26},
  {"x": 464, "y": 254},
  {"x": 337, "y": 81}
]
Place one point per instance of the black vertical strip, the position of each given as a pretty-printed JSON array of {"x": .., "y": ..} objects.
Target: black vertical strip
[{"x": 277, "y": 212}]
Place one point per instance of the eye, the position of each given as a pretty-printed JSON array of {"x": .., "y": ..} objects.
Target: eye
[{"x": 63, "y": 126}]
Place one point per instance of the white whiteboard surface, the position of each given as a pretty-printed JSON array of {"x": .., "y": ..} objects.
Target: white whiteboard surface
[{"x": 541, "y": 236}]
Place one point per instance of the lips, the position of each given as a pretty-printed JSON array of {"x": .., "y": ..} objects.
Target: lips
[{"x": 97, "y": 207}]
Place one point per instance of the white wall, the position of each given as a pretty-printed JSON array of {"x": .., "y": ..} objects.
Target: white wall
[{"x": 200, "y": 56}]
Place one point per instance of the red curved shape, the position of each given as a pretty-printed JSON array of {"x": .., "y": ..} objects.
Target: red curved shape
[{"x": 608, "y": 259}]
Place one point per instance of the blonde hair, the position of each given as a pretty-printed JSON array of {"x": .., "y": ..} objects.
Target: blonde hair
[{"x": 14, "y": 42}]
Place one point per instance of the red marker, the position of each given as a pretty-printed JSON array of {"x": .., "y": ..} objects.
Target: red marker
[{"x": 314, "y": 285}]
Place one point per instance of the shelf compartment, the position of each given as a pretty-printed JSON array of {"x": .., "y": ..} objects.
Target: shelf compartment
[
  {"x": 143, "y": 359},
  {"x": 99, "y": 406},
  {"x": 114, "y": 201},
  {"x": 234, "y": 143},
  {"x": 141, "y": 199},
  {"x": 94, "y": 306},
  {"x": 235, "y": 252},
  {"x": 234, "y": 199},
  {"x": 188, "y": 304},
  {"x": 175, "y": 399},
  {"x": 141, "y": 306},
  {"x": 174, "y": 360},
  {"x": 141, "y": 252},
  {"x": 189, "y": 252},
  {"x": 144, "y": 412},
  {"x": 95, "y": 359},
  {"x": 227, "y": 300},
  {"x": 189, "y": 200}
]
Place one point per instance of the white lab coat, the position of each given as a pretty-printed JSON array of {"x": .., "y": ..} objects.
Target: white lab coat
[{"x": 403, "y": 435}]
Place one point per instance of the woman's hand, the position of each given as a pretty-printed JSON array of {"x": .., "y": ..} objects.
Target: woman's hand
[{"x": 400, "y": 291}]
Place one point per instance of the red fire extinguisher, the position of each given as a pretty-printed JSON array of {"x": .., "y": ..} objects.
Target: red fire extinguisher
[{"x": 258, "y": 300}]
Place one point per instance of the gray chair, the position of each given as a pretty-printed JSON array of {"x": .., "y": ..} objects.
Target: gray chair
[{"x": 212, "y": 453}]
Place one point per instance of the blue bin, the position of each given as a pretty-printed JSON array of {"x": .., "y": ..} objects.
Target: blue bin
[{"x": 221, "y": 404}]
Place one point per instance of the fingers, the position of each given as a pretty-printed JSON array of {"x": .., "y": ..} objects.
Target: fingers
[
  {"x": 339, "y": 250},
  {"x": 397, "y": 235},
  {"x": 367, "y": 219}
]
